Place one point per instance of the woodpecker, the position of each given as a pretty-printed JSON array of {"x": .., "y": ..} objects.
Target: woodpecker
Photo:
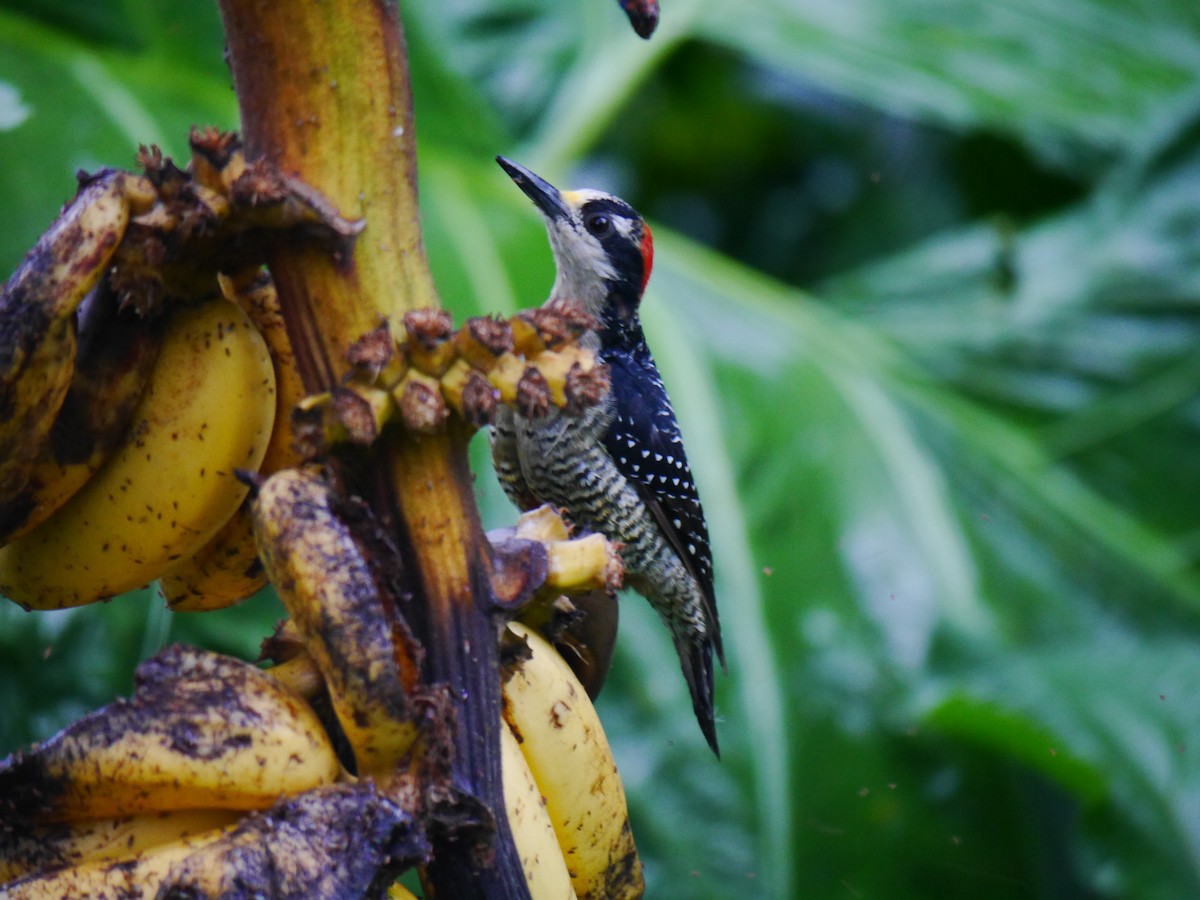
[{"x": 619, "y": 468}]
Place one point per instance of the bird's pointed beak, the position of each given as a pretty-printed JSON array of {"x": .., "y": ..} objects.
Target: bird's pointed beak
[{"x": 547, "y": 197}]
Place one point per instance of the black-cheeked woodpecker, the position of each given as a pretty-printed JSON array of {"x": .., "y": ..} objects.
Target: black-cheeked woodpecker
[{"x": 618, "y": 468}]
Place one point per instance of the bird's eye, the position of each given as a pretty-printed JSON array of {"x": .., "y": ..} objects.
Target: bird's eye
[{"x": 598, "y": 224}]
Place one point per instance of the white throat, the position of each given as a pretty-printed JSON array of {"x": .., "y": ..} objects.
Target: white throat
[{"x": 583, "y": 269}]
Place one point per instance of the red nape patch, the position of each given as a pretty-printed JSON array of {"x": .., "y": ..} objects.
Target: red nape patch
[{"x": 647, "y": 254}]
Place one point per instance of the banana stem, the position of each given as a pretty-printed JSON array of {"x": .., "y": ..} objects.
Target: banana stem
[
  {"x": 299, "y": 675},
  {"x": 325, "y": 97}
]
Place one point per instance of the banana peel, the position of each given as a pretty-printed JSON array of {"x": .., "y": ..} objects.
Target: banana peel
[
  {"x": 227, "y": 569},
  {"x": 130, "y": 877},
  {"x": 116, "y": 354},
  {"x": 37, "y": 316}
]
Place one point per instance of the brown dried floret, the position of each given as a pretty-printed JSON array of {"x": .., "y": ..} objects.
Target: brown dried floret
[
  {"x": 215, "y": 147},
  {"x": 429, "y": 346},
  {"x": 372, "y": 352},
  {"x": 585, "y": 388},
  {"x": 479, "y": 401},
  {"x": 549, "y": 327},
  {"x": 533, "y": 394},
  {"x": 484, "y": 339},
  {"x": 422, "y": 407},
  {"x": 357, "y": 414}
]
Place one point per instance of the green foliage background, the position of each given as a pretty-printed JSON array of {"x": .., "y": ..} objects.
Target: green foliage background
[{"x": 926, "y": 296}]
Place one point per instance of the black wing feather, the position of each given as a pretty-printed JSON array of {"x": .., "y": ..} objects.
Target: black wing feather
[{"x": 645, "y": 443}]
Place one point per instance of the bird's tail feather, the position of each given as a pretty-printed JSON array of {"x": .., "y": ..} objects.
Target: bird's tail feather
[{"x": 696, "y": 659}]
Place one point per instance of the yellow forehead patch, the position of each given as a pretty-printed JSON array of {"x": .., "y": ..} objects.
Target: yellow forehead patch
[{"x": 572, "y": 198}]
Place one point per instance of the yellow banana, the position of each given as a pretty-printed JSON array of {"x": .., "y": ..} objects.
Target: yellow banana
[
  {"x": 533, "y": 832},
  {"x": 227, "y": 569},
  {"x": 563, "y": 742},
  {"x": 132, "y": 877},
  {"x": 328, "y": 584},
  {"x": 170, "y": 486},
  {"x": 80, "y": 843},
  {"x": 113, "y": 363},
  {"x": 37, "y": 318},
  {"x": 542, "y": 860},
  {"x": 223, "y": 572},
  {"x": 202, "y": 731}
]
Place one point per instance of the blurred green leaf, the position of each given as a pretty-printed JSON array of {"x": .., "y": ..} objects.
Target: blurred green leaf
[
  {"x": 76, "y": 105},
  {"x": 1075, "y": 79},
  {"x": 1105, "y": 725}
]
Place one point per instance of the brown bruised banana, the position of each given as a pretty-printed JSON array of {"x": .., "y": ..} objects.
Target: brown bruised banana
[
  {"x": 207, "y": 410},
  {"x": 202, "y": 731},
  {"x": 227, "y": 569},
  {"x": 63, "y": 844},
  {"x": 341, "y": 841},
  {"x": 113, "y": 362},
  {"x": 133, "y": 876},
  {"x": 329, "y": 586},
  {"x": 37, "y": 316}
]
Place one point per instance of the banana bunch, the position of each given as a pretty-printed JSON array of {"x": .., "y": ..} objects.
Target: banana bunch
[
  {"x": 142, "y": 379},
  {"x": 168, "y": 485},
  {"x": 156, "y": 428},
  {"x": 120, "y": 796},
  {"x": 136, "y": 379},
  {"x": 564, "y": 798},
  {"x": 218, "y": 774}
]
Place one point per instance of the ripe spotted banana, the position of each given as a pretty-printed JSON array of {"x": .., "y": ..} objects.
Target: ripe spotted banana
[
  {"x": 223, "y": 572},
  {"x": 329, "y": 586},
  {"x": 170, "y": 486},
  {"x": 533, "y": 832},
  {"x": 37, "y": 319},
  {"x": 115, "y": 356},
  {"x": 227, "y": 569},
  {"x": 206, "y": 731},
  {"x": 201, "y": 732},
  {"x": 563, "y": 742}
]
